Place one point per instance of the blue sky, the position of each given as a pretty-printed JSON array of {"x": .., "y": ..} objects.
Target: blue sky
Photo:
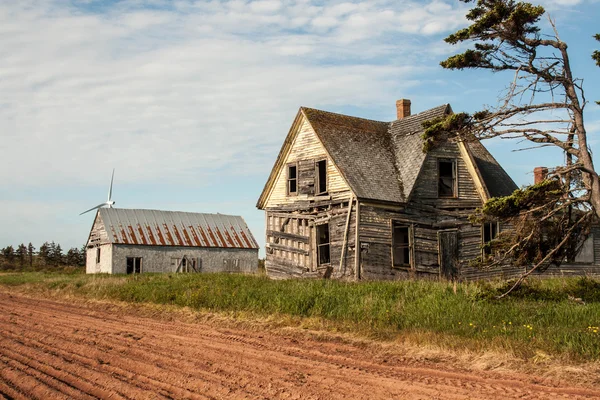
[{"x": 190, "y": 101}]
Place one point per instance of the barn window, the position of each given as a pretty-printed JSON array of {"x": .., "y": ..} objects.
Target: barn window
[
  {"x": 323, "y": 255},
  {"x": 134, "y": 265},
  {"x": 400, "y": 245},
  {"x": 321, "y": 177},
  {"x": 490, "y": 231},
  {"x": 446, "y": 178},
  {"x": 292, "y": 179},
  {"x": 97, "y": 255}
]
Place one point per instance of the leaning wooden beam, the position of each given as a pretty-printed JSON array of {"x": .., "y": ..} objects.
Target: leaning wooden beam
[
  {"x": 287, "y": 248},
  {"x": 357, "y": 241},
  {"x": 286, "y": 235},
  {"x": 343, "y": 257}
]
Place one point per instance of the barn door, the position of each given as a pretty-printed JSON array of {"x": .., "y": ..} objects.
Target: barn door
[{"x": 448, "y": 254}]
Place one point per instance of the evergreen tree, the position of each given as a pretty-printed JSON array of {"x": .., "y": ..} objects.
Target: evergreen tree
[
  {"x": 44, "y": 253},
  {"x": 544, "y": 105},
  {"x": 21, "y": 254},
  {"x": 30, "y": 253}
]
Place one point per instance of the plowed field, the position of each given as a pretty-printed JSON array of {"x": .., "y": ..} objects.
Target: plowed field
[{"x": 59, "y": 350}]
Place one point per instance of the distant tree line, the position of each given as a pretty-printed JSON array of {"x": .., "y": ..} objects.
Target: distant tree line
[{"x": 50, "y": 255}]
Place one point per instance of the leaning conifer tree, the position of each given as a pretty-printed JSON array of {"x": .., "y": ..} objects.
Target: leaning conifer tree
[{"x": 544, "y": 105}]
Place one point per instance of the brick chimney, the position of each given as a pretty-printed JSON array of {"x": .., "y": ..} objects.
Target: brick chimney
[
  {"x": 539, "y": 174},
  {"x": 403, "y": 108}
]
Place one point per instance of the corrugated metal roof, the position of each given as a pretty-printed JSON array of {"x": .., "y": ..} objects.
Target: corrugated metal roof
[{"x": 176, "y": 228}]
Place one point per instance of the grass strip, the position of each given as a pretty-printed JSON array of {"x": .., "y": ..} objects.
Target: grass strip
[{"x": 554, "y": 317}]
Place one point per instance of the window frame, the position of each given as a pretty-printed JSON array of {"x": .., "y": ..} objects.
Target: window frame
[
  {"x": 318, "y": 245},
  {"x": 485, "y": 250},
  {"x": 409, "y": 245},
  {"x": 98, "y": 255},
  {"x": 454, "y": 163},
  {"x": 318, "y": 179},
  {"x": 288, "y": 179},
  {"x": 139, "y": 265}
]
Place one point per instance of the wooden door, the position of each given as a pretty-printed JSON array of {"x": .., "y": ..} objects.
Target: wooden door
[{"x": 448, "y": 254}]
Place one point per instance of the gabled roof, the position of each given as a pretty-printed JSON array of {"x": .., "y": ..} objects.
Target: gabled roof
[
  {"x": 175, "y": 228},
  {"x": 408, "y": 144},
  {"x": 497, "y": 181},
  {"x": 382, "y": 160},
  {"x": 362, "y": 151}
]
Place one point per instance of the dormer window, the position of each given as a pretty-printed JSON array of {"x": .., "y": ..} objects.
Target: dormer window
[
  {"x": 292, "y": 179},
  {"x": 447, "y": 186},
  {"x": 321, "y": 177}
]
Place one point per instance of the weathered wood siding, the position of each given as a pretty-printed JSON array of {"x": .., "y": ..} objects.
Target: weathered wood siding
[
  {"x": 98, "y": 234},
  {"x": 426, "y": 186},
  {"x": 375, "y": 236},
  {"x": 291, "y": 243},
  {"x": 160, "y": 258},
  {"x": 306, "y": 149}
]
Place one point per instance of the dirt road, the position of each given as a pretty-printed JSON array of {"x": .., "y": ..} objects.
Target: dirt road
[{"x": 57, "y": 350}]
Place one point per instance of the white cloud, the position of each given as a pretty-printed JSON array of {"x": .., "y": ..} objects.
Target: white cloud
[{"x": 173, "y": 91}]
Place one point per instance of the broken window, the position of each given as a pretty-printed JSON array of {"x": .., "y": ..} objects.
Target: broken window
[
  {"x": 134, "y": 265},
  {"x": 323, "y": 255},
  {"x": 321, "y": 177},
  {"x": 490, "y": 231},
  {"x": 292, "y": 175},
  {"x": 401, "y": 245},
  {"x": 447, "y": 178},
  {"x": 97, "y": 255}
]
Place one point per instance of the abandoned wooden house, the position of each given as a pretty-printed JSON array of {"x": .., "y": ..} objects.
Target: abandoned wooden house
[
  {"x": 126, "y": 241},
  {"x": 352, "y": 198}
]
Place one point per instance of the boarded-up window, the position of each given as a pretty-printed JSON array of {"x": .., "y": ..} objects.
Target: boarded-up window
[
  {"x": 490, "y": 231},
  {"x": 446, "y": 178},
  {"x": 134, "y": 265},
  {"x": 185, "y": 264},
  {"x": 401, "y": 245},
  {"x": 231, "y": 265},
  {"x": 323, "y": 254},
  {"x": 97, "y": 255},
  {"x": 292, "y": 179},
  {"x": 321, "y": 177}
]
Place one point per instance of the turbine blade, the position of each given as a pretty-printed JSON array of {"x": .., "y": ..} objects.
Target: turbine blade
[
  {"x": 111, "y": 183},
  {"x": 93, "y": 208}
]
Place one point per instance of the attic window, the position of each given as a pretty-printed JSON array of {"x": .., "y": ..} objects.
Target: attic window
[
  {"x": 446, "y": 178},
  {"x": 490, "y": 231},
  {"x": 292, "y": 179},
  {"x": 321, "y": 177},
  {"x": 323, "y": 256}
]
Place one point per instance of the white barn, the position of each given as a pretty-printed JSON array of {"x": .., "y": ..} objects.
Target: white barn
[{"x": 127, "y": 241}]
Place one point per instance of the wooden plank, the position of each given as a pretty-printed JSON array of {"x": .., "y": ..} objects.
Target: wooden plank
[
  {"x": 293, "y": 236},
  {"x": 286, "y": 248},
  {"x": 343, "y": 256}
]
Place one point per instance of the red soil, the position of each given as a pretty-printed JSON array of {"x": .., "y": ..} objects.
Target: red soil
[{"x": 59, "y": 350}]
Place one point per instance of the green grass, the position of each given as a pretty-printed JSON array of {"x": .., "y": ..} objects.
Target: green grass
[{"x": 538, "y": 317}]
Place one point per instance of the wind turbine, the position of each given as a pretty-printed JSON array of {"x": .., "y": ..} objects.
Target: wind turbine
[{"x": 110, "y": 203}]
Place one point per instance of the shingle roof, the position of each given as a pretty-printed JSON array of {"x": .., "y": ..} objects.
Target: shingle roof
[
  {"x": 362, "y": 151},
  {"x": 379, "y": 160},
  {"x": 175, "y": 228},
  {"x": 382, "y": 160},
  {"x": 408, "y": 144},
  {"x": 497, "y": 181}
]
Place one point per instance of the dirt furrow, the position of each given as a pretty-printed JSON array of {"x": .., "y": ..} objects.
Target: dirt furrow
[
  {"x": 99, "y": 359},
  {"x": 134, "y": 358},
  {"x": 52, "y": 347},
  {"x": 27, "y": 381}
]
